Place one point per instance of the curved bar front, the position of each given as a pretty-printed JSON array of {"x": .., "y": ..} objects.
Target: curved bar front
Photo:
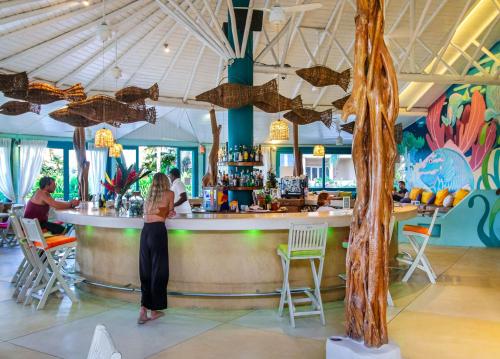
[{"x": 215, "y": 260}]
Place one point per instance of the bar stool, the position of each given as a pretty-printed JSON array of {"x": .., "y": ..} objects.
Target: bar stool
[
  {"x": 305, "y": 242},
  {"x": 414, "y": 234},
  {"x": 50, "y": 265}
]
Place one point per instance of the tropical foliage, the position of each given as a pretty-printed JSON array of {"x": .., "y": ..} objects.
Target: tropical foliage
[{"x": 124, "y": 178}]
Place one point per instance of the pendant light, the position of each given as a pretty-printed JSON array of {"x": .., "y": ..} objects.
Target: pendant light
[
  {"x": 115, "y": 150},
  {"x": 104, "y": 138},
  {"x": 319, "y": 151},
  {"x": 278, "y": 131}
]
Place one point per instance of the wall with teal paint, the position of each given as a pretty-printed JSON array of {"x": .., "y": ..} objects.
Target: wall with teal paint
[{"x": 474, "y": 222}]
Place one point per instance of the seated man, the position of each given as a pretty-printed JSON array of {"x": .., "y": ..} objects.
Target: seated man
[
  {"x": 324, "y": 202},
  {"x": 39, "y": 205},
  {"x": 399, "y": 195}
]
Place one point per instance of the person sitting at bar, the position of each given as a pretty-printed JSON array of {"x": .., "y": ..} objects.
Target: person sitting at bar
[
  {"x": 324, "y": 202},
  {"x": 399, "y": 195},
  {"x": 39, "y": 205},
  {"x": 181, "y": 202}
]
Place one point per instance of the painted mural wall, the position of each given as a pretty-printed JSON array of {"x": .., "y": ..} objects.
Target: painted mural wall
[{"x": 457, "y": 145}]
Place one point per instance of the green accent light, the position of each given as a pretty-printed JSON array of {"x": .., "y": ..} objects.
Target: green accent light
[
  {"x": 131, "y": 232},
  {"x": 253, "y": 232}
]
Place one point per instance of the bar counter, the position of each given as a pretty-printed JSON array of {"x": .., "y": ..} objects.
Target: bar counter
[{"x": 216, "y": 260}]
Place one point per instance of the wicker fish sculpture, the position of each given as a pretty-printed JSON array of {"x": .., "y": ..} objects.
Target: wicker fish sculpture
[
  {"x": 101, "y": 108},
  {"x": 15, "y": 83},
  {"x": 305, "y": 116},
  {"x": 42, "y": 93},
  {"x": 15, "y": 108},
  {"x": 276, "y": 103},
  {"x": 134, "y": 94},
  {"x": 320, "y": 76},
  {"x": 232, "y": 96},
  {"x": 339, "y": 104},
  {"x": 63, "y": 115}
]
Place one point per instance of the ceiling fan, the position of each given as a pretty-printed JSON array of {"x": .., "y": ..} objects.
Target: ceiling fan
[{"x": 277, "y": 13}]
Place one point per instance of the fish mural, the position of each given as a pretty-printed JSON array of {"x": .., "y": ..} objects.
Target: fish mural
[
  {"x": 42, "y": 93},
  {"x": 321, "y": 76},
  {"x": 14, "y": 83},
  {"x": 101, "y": 108},
  {"x": 233, "y": 96},
  {"x": 134, "y": 94},
  {"x": 15, "y": 108},
  {"x": 489, "y": 218},
  {"x": 305, "y": 116},
  {"x": 276, "y": 103},
  {"x": 443, "y": 168}
]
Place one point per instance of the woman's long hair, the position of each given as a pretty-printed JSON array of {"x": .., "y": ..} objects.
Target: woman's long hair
[{"x": 157, "y": 190}]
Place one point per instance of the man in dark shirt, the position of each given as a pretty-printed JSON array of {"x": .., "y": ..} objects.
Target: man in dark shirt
[{"x": 399, "y": 195}]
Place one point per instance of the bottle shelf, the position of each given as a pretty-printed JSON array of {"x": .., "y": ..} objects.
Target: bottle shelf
[{"x": 241, "y": 164}]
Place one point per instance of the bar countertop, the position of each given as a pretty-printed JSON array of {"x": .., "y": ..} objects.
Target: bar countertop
[{"x": 108, "y": 218}]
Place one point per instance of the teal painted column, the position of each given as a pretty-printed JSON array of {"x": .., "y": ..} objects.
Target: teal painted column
[{"x": 240, "y": 121}]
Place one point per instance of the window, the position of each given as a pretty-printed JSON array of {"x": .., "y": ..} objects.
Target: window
[
  {"x": 339, "y": 171},
  {"x": 186, "y": 168},
  {"x": 73, "y": 175},
  {"x": 333, "y": 171},
  {"x": 155, "y": 159},
  {"x": 286, "y": 164},
  {"x": 52, "y": 166}
]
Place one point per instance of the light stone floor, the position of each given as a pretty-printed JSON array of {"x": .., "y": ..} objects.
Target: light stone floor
[{"x": 459, "y": 317}]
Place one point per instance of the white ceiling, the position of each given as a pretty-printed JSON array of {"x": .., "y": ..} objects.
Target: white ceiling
[{"x": 55, "y": 41}]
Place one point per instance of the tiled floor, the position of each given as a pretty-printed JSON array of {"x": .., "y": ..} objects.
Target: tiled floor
[{"x": 459, "y": 317}]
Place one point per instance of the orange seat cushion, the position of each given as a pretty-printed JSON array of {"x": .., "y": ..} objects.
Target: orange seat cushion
[
  {"x": 416, "y": 229},
  {"x": 56, "y": 241}
]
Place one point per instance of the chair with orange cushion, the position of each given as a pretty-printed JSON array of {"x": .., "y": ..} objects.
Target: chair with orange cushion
[
  {"x": 52, "y": 266},
  {"x": 419, "y": 237}
]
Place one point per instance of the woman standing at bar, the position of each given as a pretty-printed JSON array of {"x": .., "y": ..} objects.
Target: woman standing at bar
[{"x": 153, "y": 260}]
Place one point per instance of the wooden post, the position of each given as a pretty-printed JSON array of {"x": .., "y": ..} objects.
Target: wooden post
[
  {"x": 83, "y": 164},
  {"x": 210, "y": 178},
  {"x": 297, "y": 168},
  {"x": 375, "y": 103}
]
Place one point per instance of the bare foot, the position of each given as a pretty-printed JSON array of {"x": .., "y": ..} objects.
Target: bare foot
[
  {"x": 143, "y": 316},
  {"x": 155, "y": 314}
]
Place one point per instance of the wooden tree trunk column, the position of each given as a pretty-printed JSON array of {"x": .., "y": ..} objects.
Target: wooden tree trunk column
[
  {"x": 375, "y": 103},
  {"x": 83, "y": 164},
  {"x": 210, "y": 178},
  {"x": 297, "y": 168}
]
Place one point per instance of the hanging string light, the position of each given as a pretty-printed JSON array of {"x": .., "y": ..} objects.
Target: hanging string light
[
  {"x": 319, "y": 151},
  {"x": 278, "y": 131}
]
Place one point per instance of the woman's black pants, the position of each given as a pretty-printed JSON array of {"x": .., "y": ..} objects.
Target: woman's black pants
[{"x": 153, "y": 265}]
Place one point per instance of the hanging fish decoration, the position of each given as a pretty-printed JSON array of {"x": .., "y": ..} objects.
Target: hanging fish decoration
[
  {"x": 321, "y": 76},
  {"x": 14, "y": 108},
  {"x": 42, "y": 93},
  {"x": 339, "y": 104},
  {"x": 63, "y": 115},
  {"x": 233, "y": 96},
  {"x": 15, "y": 83},
  {"x": 305, "y": 116},
  {"x": 133, "y": 94},
  {"x": 276, "y": 103},
  {"x": 101, "y": 108}
]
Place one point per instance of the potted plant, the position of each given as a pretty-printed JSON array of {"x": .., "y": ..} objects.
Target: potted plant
[{"x": 123, "y": 180}]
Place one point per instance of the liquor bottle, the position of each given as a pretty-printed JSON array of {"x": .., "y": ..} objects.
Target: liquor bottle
[
  {"x": 260, "y": 154},
  {"x": 102, "y": 201},
  {"x": 245, "y": 154},
  {"x": 257, "y": 156},
  {"x": 240, "y": 154}
]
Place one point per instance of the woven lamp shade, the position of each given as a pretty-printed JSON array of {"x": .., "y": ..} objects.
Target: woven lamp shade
[
  {"x": 104, "y": 138},
  {"x": 115, "y": 150},
  {"x": 319, "y": 151},
  {"x": 278, "y": 131}
]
